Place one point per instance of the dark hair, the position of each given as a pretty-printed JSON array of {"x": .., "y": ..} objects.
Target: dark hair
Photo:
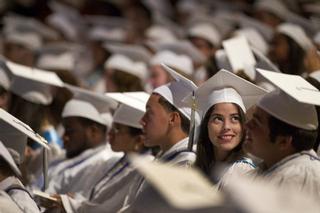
[
  {"x": 301, "y": 139},
  {"x": 205, "y": 149},
  {"x": 126, "y": 82},
  {"x": 296, "y": 54},
  {"x": 5, "y": 168},
  {"x": 185, "y": 122}
]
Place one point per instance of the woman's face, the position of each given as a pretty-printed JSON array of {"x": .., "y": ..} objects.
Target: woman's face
[
  {"x": 224, "y": 126},
  {"x": 279, "y": 49}
]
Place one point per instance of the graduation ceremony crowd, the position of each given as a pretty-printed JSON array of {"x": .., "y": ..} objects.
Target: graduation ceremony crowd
[{"x": 159, "y": 106}]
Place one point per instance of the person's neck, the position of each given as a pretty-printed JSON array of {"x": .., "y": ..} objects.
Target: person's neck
[
  {"x": 171, "y": 140},
  {"x": 268, "y": 163},
  {"x": 221, "y": 155}
]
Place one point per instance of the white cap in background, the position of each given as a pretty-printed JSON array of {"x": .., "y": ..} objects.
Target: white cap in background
[
  {"x": 180, "y": 62},
  {"x": 207, "y": 32},
  {"x": 125, "y": 64},
  {"x": 296, "y": 33}
]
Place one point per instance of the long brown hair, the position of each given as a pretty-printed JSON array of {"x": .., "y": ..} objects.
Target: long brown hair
[{"x": 205, "y": 160}]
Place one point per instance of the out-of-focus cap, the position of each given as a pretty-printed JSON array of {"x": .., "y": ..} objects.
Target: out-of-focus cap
[
  {"x": 134, "y": 52},
  {"x": 28, "y": 40},
  {"x": 240, "y": 55},
  {"x": 14, "y": 134},
  {"x": 160, "y": 34},
  {"x": 275, "y": 7},
  {"x": 293, "y": 101},
  {"x": 254, "y": 38},
  {"x": 176, "y": 90},
  {"x": 31, "y": 84},
  {"x": 207, "y": 32},
  {"x": 8, "y": 158},
  {"x": 125, "y": 64},
  {"x": 180, "y": 62},
  {"x": 104, "y": 34},
  {"x": 182, "y": 47},
  {"x": 183, "y": 188},
  {"x": 296, "y": 33},
  {"x": 62, "y": 61}
]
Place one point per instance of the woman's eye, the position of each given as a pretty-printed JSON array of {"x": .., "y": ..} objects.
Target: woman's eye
[
  {"x": 216, "y": 119},
  {"x": 235, "y": 118}
]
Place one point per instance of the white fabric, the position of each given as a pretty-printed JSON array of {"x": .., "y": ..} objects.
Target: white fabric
[
  {"x": 316, "y": 38},
  {"x": 207, "y": 32},
  {"x": 180, "y": 62},
  {"x": 296, "y": 33},
  {"x": 125, "y": 64},
  {"x": 25, "y": 203},
  {"x": 4, "y": 153},
  {"x": 60, "y": 167},
  {"x": 177, "y": 155},
  {"x": 160, "y": 34},
  {"x": 31, "y": 41},
  {"x": 83, "y": 109},
  {"x": 275, "y": 7},
  {"x": 300, "y": 171},
  {"x": 64, "y": 61},
  {"x": 7, "y": 204},
  {"x": 254, "y": 38},
  {"x": 316, "y": 75},
  {"x": 109, "y": 193},
  {"x": 4, "y": 79}
]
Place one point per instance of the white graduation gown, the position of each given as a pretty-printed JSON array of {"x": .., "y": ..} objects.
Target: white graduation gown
[{"x": 18, "y": 194}]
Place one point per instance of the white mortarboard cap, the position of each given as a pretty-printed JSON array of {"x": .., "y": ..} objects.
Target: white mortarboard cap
[
  {"x": 14, "y": 133},
  {"x": 293, "y": 102},
  {"x": 226, "y": 87},
  {"x": 134, "y": 52},
  {"x": 104, "y": 34},
  {"x": 4, "y": 79},
  {"x": 183, "y": 188},
  {"x": 26, "y": 24},
  {"x": 29, "y": 40},
  {"x": 296, "y": 33},
  {"x": 108, "y": 119},
  {"x": 125, "y": 64},
  {"x": 180, "y": 62},
  {"x": 83, "y": 109},
  {"x": 240, "y": 55},
  {"x": 176, "y": 90},
  {"x": 222, "y": 60},
  {"x": 132, "y": 108},
  {"x": 33, "y": 85},
  {"x": 64, "y": 61},
  {"x": 262, "y": 28},
  {"x": 160, "y": 34},
  {"x": 88, "y": 104},
  {"x": 8, "y": 158},
  {"x": 275, "y": 7},
  {"x": 182, "y": 47},
  {"x": 254, "y": 38},
  {"x": 207, "y": 32}
]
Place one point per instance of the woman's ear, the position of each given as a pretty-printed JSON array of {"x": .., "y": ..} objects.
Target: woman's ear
[{"x": 139, "y": 143}]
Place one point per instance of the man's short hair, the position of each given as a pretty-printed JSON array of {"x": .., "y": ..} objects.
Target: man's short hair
[{"x": 301, "y": 139}]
